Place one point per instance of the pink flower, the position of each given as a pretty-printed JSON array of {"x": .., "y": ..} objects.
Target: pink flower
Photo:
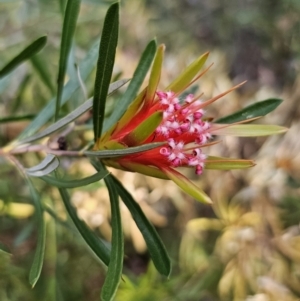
[{"x": 179, "y": 125}]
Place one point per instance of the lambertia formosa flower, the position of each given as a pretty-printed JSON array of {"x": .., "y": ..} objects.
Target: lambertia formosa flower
[{"x": 179, "y": 124}]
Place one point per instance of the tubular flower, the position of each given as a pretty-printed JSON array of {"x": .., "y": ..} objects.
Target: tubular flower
[{"x": 179, "y": 125}]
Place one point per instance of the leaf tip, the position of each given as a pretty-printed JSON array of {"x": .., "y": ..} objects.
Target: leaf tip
[
  {"x": 206, "y": 54},
  {"x": 162, "y": 47},
  {"x": 33, "y": 281},
  {"x": 283, "y": 130}
]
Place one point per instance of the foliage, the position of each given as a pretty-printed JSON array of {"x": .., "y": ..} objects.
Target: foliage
[{"x": 70, "y": 110}]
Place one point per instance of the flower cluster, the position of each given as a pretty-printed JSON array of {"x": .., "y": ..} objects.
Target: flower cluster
[
  {"x": 179, "y": 126},
  {"x": 182, "y": 124}
]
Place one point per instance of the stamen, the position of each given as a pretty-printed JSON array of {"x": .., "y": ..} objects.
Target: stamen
[
  {"x": 199, "y": 169},
  {"x": 189, "y": 98},
  {"x": 183, "y": 121},
  {"x": 165, "y": 151}
]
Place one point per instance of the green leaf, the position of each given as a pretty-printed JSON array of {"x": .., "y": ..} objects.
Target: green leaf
[
  {"x": 127, "y": 117},
  {"x": 16, "y": 118},
  {"x": 187, "y": 186},
  {"x": 38, "y": 259},
  {"x": 49, "y": 164},
  {"x": 145, "y": 170},
  {"x": 115, "y": 266},
  {"x": 60, "y": 220},
  {"x": 72, "y": 116},
  {"x": 247, "y": 130},
  {"x": 105, "y": 64},
  {"x": 155, "y": 246},
  {"x": 144, "y": 130},
  {"x": 61, "y": 183},
  {"x": 88, "y": 235},
  {"x": 19, "y": 97},
  {"x": 227, "y": 163},
  {"x": 134, "y": 86},
  {"x": 184, "y": 79},
  {"x": 69, "y": 25},
  {"x": 107, "y": 154},
  {"x": 24, "y": 55},
  {"x": 86, "y": 67},
  {"x": 40, "y": 65},
  {"x": 257, "y": 109},
  {"x": 24, "y": 233},
  {"x": 155, "y": 73}
]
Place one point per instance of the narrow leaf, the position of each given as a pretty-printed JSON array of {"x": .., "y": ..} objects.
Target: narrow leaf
[
  {"x": 61, "y": 183},
  {"x": 88, "y": 235},
  {"x": 49, "y": 164},
  {"x": 145, "y": 170},
  {"x": 248, "y": 130},
  {"x": 43, "y": 172},
  {"x": 155, "y": 74},
  {"x": 106, "y": 154},
  {"x": 60, "y": 220},
  {"x": 24, "y": 55},
  {"x": 72, "y": 116},
  {"x": 144, "y": 130},
  {"x": 115, "y": 266},
  {"x": 69, "y": 25},
  {"x": 127, "y": 117},
  {"x": 86, "y": 67},
  {"x": 38, "y": 259},
  {"x": 19, "y": 97},
  {"x": 47, "y": 160},
  {"x": 40, "y": 65},
  {"x": 257, "y": 109},
  {"x": 16, "y": 118},
  {"x": 134, "y": 86},
  {"x": 105, "y": 64},
  {"x": 183, "y": 80},
  {"x": 187, "y": 186},
  {"x": 227, "y": 163},
  {"x": 155, "y": 246}
]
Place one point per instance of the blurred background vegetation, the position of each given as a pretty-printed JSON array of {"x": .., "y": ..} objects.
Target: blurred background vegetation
[{"x": 247, "y": 245}]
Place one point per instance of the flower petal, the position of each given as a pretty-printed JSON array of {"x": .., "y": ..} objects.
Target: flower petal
[
  {"x": 187, "y": 186},
  {"x": 247, "y": 130}
]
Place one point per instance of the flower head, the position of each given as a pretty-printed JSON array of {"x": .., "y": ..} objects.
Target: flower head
[{"x": 179, "y": 125}]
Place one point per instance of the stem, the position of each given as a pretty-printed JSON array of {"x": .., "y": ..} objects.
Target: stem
[{"x": 41, "y": 148}]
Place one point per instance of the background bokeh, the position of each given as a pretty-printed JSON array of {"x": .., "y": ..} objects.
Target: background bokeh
[{"x": 247, "y": 245}]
